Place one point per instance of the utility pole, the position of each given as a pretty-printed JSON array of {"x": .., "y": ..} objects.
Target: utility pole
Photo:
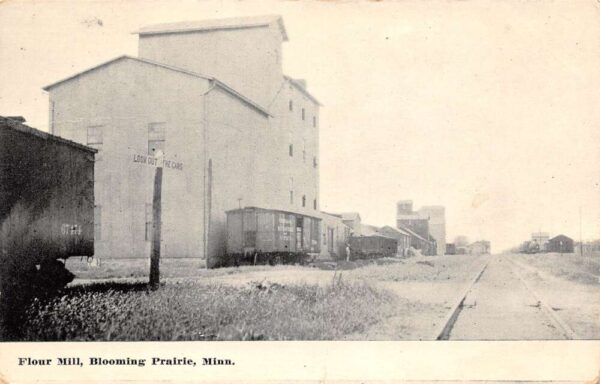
[{"x": 156, "y": 224}]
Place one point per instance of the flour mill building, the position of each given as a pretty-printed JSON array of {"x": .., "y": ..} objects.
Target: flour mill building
[{"x": 235, "y": 132}]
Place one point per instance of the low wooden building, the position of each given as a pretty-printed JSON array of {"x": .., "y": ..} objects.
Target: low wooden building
[
  {"x": 400, "y": 235},
  {"x": 560, "y": 243},
  {"x": 450, "y": 249},
  {"x": 334, "y": 236}
]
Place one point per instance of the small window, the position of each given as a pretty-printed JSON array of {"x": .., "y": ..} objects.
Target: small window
[
  {"x": 291, "y": 105},
  {"x": 314, "y": 161},
  {"x": 304, "y": 150},
  {"x": 148, "y": 222},
  {"x": 94, "y": 135},
  {"x": 156, "y": 138},
  {"x": 291, "y": 150},
  {"x": 315, "y": 121},
  {"x": 315, "y": 204},
  {"x": 303, "y": 114},
  {"x": 304, "y": 201},
  {"x": 97, "y": 223},
  {"x": 291, "y": 197}
]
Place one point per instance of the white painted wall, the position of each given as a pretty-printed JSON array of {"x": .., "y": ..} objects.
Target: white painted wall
[
  {"x": 341, "y": 233},
  {"x": 287, "y": 127},
  {"x": 248, "y": 60},
  {"x": 121, "y": 99}
]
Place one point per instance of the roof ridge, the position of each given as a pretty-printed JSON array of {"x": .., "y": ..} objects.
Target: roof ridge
[
  {"x": 218, "y": 82},
  {"x": 302, "y": 89},
  {"x": 213, "y": 24}
]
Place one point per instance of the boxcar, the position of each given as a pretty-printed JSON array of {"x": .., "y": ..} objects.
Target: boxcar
[
  {"x": 259, "y": 236},
  {"x": 371, "y": 247},
  {"x": 46, "y": 195}
]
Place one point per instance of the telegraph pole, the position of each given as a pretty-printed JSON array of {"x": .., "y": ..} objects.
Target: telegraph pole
[{"x": 156, "y": 224}]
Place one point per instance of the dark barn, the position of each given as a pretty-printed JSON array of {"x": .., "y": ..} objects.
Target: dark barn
[{"x": 561, "y": 244}]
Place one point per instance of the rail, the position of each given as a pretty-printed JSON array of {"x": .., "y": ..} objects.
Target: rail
[
  {"x": 444, "y": 331},
  {"x": 564, "y": 328}
]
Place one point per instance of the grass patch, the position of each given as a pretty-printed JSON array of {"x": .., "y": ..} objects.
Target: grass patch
[
  {"x": 423, "y": 268},
  {"x": 140, "y": 268},
  {"x": 569, "y": 266},
  {"x": 192, "y": 311}
]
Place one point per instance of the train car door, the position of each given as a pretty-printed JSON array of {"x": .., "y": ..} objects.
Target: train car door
[
  {"x": 299, "y": 233},
  {"x": 330, "y": 240}
]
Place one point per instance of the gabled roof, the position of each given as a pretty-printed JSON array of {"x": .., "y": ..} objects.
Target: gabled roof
[
  {"x": 215, "y": 25},
  {"x": 412, "y": 233},
  {"x": 561, "y": 237},
  {"x": 369, "y": 230},
  {"x": 215, "y": 81},
  {"x": 350, "y": 216},
  {"x": 299, "y": 87},
  {"x": 396, "y": 230},
  {"x": 15, "y": 124},
  {"x": 331, "y": 214}
]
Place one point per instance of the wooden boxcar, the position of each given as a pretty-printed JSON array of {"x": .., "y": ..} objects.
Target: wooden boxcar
[
  {"x": 46, "y": 195},
  {"x": 372, "y": 247},
  {"x": 259, "y": 236}
]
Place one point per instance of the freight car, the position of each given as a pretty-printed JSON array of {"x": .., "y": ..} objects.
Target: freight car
[
  {"x": 46, "y": 209},
  {"x": 266, "y": 236},
  {"x": 372, "y": 247}
]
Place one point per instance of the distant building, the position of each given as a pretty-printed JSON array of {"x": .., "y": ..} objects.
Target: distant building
[
  {"x": 589, "y": 247},
  {"x": 369, "y": 230},
  {"x": 437, "y": 225},
  {"x": 450, "y": 249},
  {"x": 335, "y": 236},
  {"x": 462, "y": 250},
  {"x": 352, "y": 220},
  {"x": 417, "y": 241},
  {"x": 407, "y": 218},
  {"x": 419, "y": 224},
  {"x": 402, "y": 236},
  {"x": 560, "y": 243},
  {"x": 541, "y": 238},
  {"x": 481, "y": 247}
]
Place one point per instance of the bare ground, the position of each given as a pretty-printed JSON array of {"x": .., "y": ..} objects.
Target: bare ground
[
  {"x": 426, "y": 287},
  {"x": 565, "y": 284}
]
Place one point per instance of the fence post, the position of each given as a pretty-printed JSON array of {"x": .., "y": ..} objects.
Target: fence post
[{"x": 156, "y": 226}]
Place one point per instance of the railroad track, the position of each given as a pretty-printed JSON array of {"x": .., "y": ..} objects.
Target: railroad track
[
  {"x": 444, "y": 332},
  {"x": 445, "y": 329},
  {"x": 548, "y": 310}
]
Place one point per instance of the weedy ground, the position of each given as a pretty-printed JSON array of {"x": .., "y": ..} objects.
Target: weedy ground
[
  {"x": 569, "y": 266},
  {"x": 192, "y": 311}
]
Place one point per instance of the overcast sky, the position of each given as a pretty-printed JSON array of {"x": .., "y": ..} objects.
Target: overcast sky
[{"x": 490, "y": 109}]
